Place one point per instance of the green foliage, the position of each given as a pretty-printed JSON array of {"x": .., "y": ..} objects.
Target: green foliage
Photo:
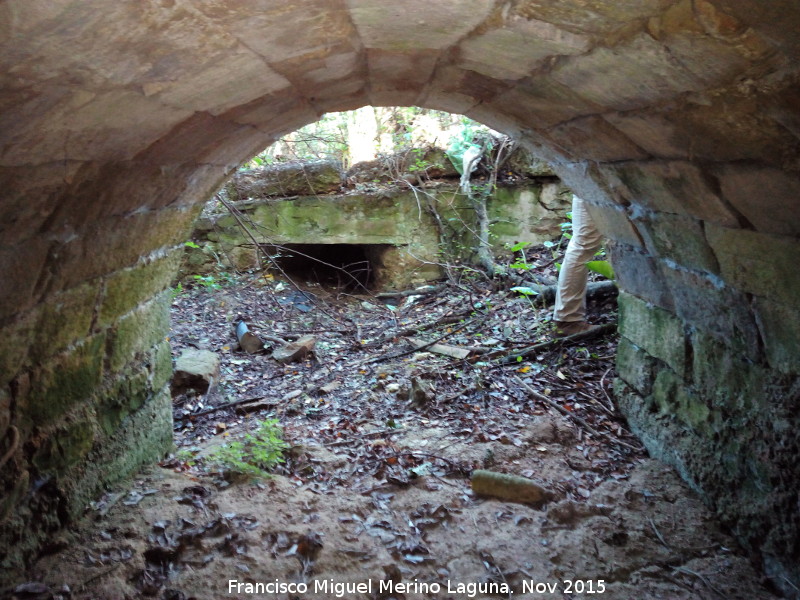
[
  {"x": 191, "y": 244},
  {"x": 524, "y": 290},
  {"x": 462, "y": 141},
  {"x": 207, "y": 281},
  {"x": 255, "y": 455},
  {"x": 177, "y": 290},
  {"x": 603, "y": 267}
]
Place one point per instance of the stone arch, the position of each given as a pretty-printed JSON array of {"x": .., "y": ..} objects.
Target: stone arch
[{"x": 676, "y": 119}]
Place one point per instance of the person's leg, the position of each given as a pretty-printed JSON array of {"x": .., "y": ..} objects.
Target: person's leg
[{"x": 570, "y": 303}]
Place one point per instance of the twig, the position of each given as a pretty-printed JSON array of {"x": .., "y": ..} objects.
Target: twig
[
  {"x": 504, "y": 358},
  {"x": 222, "y": 407},
  {"x": 82, "y": 586},
  {"x": 412, "y": 350},
  {"x": 702, "y": 578},
  {"x": 610, "y": 408},
  {"x": 572, "y": 416},
  {"x": 658, "y": 534}
]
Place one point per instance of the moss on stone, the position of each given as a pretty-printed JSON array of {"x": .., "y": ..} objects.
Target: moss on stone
[
  {"x": 64, "y": 447},
  {"x": 126, "y": 289},
  {"x": 162, "y": 365},
  {"x": 653, "y": 329},
  {"x": 138, "y": 331},
  {"x": 66, "y": 380},
  {"x": 127, "y": 394}
]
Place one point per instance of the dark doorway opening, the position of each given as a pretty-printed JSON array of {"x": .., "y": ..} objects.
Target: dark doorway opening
[{"x": 344, "y": 266}]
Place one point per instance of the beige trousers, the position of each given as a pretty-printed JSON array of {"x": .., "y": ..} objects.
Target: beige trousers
[{"x": 586, "y": 241}]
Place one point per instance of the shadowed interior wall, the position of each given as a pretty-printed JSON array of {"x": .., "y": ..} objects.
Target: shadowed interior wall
[{"x": 678, "y": 120}]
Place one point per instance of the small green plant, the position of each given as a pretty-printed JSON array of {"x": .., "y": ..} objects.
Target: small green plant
[
  {"x": 177, "y": 290},
  {"x": 207, "y": 281},
  {"x": 191, "y": 244},
  {"x": 255, "y": 455}
]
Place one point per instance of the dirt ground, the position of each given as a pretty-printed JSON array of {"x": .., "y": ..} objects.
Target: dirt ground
[{"x": 374, "y": 497}]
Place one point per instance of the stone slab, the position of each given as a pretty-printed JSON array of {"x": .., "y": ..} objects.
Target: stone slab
[
  {"x": 757, "y": 263},
  {"x": 627, "y": 76},
  {"x": 673, "y": 187},
  {"x": 768, "y": 197},
  {"x": 678, "y": 238},
  {"x": 656, "y": 331}
]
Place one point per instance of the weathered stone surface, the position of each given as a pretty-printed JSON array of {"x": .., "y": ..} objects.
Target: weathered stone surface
[
  {"x": 707, "y": 303},
  {"x": 513, "y": 51},
  {"x": 139, "y": 110},
  {"x": 64, "y": 381},
  {"x": 767, "y": 197},
  {"x": 286, "y": 179},
  {"x": 126, "y": 289},
  {"x": 139, "y": 331},
  {"x": 760, "y": 264},
  {"x": 624, "y": 76},
  {"x": 780, "y": 330},
  {"x": 636, "y": 367},
  {"x": 582, "y": 139},
  {"x": 613, "y": 222},
  {"x": 195, "y": 370},
  {"x": 675, "y": 187},
  {"x": 655, "y": 330},
  {"x": 641, "y": 275},
  {"x": 679, "y": 238}
]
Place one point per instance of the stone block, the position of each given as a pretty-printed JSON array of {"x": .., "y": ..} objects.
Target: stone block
[
  {"x": 514, "y": 50},
  {"x": 656, "y": 331},
  {"x": 138, "y": 331},
  {"x": 780, "y": 329},
  {"x": 673, "y": 187},
  {"x": 636, "y": 367},
  {"x": 766, "y": 196},
  {"x": 196, "y": 370},
  {"x": 626, "y": 76},
  {"x": 654, "y": 133},
  {"x": 286, "y": 179},
  {"x": 118, "y": 242},
  {"x": 126, "y": 289},
  {"x": 678, "y": 238},
  {"x": 376, "y": 23},
  {"x": 63, "y": 319},
  {"x": 708, "y": 304},
  {"x": 613, "y": 222},
  {"x": 757, "y": 263},
  {"x": 23, "y": 267},
  {"x": 64, "y": 381},
  {"x": 640, "y": 275},
  {"x": 668, "y": 392},
  {"x": 593, "y": 138},
  {"x": 732, "y": 382},
  {"x": 64, "y": 447},
  {"x": 126, "y": 394},
  {"x": 161, "y": 361},
  {"x": 142, "y": 437}
]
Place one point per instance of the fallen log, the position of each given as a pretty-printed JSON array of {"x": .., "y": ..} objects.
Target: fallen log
[
  {"x": 509, "y": 487},
  {"x": 596, "y": 289}
]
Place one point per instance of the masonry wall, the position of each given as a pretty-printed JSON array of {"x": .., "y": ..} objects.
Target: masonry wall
[
  {"x": 531, "y": 212},
  {"x": 84, "y": 368},
  {"x": 709, "y": 355},
  {"x": 678, "y": 120}
]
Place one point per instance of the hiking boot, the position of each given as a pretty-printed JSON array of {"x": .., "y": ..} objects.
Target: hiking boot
[{"x": 565, "y": 328}]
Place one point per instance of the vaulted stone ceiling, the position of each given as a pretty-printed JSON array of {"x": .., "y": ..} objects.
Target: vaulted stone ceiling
[{"x": 677, "y": 119}]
